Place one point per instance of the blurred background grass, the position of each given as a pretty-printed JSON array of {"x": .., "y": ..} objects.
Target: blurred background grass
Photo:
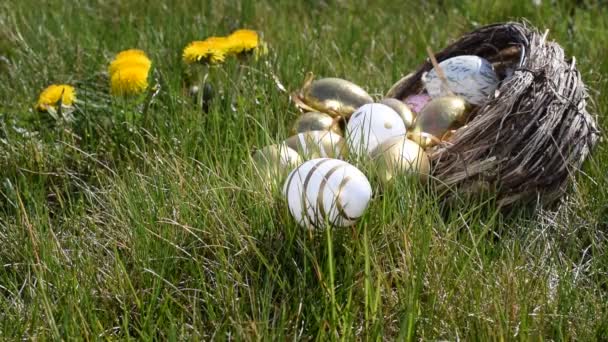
[{"x": 116, "y": 227}]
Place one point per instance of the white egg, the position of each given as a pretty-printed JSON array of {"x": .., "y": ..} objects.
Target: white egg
[
  {"x": 470, "y": 77},
  {"x": 327, "y": 190},
  {"x": 317, "y": 144},
  {"x": 371, "y": 125}
]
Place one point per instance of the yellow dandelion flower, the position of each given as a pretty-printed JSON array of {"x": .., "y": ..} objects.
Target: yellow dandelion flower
[
  {"x": 129, "y": 72},
  {"x": 129, "y": 81},
  {"x": 128, "y": 61},
  {"x": 212, "y": 50},
  {"x": 49, "y": 97},
  {"x": 244, "y": 40},
  {"x": 130, "y": 53}
]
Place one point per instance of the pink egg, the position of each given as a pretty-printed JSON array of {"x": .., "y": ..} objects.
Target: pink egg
[{"x": 417, "y": 102}]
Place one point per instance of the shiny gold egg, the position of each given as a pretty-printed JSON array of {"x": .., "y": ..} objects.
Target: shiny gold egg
[
  {"x": 272, "y": 163},
  {"x": 400, "y": 156},
  {"x": 316, "y": 121},
  {"x": 438, "y": 117},
  {"x": 334, "y": 96},
  {"x": 402, "y": 109},
  {"x": 423, "y": 139},
  {"x": 318, "y": 144}
]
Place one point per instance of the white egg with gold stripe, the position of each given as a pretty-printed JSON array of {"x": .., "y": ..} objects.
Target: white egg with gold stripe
[
  {"x": 371, "y": 125},
  {"x": 327, "y": 190},
  {"x": 317, "y": 144}
]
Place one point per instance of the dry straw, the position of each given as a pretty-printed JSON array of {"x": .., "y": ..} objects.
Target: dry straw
[{"x": 528, "y": 141}]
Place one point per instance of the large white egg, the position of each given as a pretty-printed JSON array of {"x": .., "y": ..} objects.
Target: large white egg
[
  {"x": 327, "y": 190},
  {"x": 371, "y": 125},
  {"x": 470, "y": 77}
]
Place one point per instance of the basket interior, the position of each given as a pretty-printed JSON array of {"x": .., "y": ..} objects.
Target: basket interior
[{"x": 505, "y": 46}]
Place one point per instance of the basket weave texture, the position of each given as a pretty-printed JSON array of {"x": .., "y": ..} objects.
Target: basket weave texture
[{"x": 528, "y": 141}]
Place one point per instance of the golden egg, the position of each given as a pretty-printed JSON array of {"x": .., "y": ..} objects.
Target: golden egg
[
  {"x": 423, "y": 139},
  {"x": 272, "y": 163},
  {"x": 334, "y": 96},
  {"x": 402, "y": 109},
  {"x": 318, "y": 144},
  {"x": 400, "y": 156},
  {"x": 438, "y": 117},
  {"x": 316, "y": 121}
]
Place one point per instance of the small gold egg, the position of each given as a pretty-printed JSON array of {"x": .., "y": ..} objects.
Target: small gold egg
[
  {"x": 316, "y": 121},
  {"x": 318, "y": 144},
  {"x": 272, "y": 163},
  {"x": 423, "y": 139},
  {"x": 402, "y": 109},
  {"x": 438, "y": 117},
  {"x": 400, "y": 156}
]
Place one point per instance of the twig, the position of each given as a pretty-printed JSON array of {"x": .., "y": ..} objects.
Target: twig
[{"x": 439, "y": 71}]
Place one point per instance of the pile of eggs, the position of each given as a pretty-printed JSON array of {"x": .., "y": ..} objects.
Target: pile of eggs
[{"x": 342, "y": 123}]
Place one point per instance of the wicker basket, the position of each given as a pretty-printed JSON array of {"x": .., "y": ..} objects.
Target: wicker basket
[{"x": 528, "y": 141}]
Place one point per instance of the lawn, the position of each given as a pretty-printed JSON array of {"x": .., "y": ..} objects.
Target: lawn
[{"x": 146, "y": 222}]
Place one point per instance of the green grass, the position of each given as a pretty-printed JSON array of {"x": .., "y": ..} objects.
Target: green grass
[{"x": 122, "y": 226}]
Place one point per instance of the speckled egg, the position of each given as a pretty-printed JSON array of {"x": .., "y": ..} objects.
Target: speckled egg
[{"x": 470, "y": 77}]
